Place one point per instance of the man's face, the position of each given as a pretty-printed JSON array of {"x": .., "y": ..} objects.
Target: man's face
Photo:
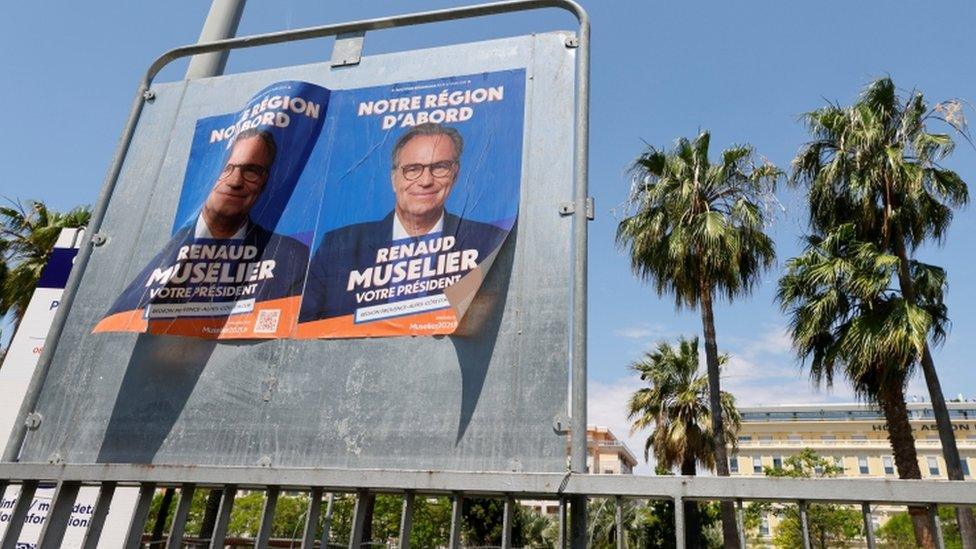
[
  {"x": 424, "y": 195},
  {"x": 242, "y": 179}
]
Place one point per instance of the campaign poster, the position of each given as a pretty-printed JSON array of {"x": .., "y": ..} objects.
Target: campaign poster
[
  {"x": 422, "y": 189},
  {"x": 235, "y": 264}
]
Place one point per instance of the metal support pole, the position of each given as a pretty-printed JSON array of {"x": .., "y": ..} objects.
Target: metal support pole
[
  {"x": 406, "y": 520},
  {"x": 740, "y": 522},
  {"x": 267, "y": 517},
  {"x": 456, "y": 504},
  {"x": 868, "y": 524},
  {"x": 175, "y": 540},
  {"x": 25, "y": 501},
  {"x": 580, "y": 235},
  {"x": 679, "y": 523},
  {"x": 619, "y": 521},
  {"x": 937, "y": 524},
  {"x": 52, "y": 533},
  {"x": 312, "y": 518},
  {"x": 804, "y": 525},
  {"x": 508, "y": 516},
  {"x": 221, "y": 23},
  {"x": 97, "y": 522}
]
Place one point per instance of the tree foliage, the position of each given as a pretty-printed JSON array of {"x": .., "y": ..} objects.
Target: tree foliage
[{"x": 28, "y": 233}]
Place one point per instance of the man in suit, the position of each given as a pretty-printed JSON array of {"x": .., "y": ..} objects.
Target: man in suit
[
  {"x": 224, "y": 256},
  {"x": 379, "y": 254}
]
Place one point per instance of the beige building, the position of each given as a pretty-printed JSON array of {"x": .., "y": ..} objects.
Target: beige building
[{"x": 854, "y": 436}]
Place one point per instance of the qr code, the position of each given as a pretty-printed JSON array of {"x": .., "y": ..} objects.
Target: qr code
[{"x": 267, "y": 322}]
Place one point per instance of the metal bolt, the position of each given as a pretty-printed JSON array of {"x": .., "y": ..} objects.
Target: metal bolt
[
  {"x": 99, "y": 239},
  {"x": 149, "y": 95},
  {"x": 55, "y": 459},
  {"x": 572, "y": 42},
  {"x": 265, "y": 461},
  {"x": 33, "y": 420}
]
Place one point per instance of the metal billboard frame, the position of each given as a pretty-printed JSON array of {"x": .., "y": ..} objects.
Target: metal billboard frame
[{"x": 580, "y": 208}]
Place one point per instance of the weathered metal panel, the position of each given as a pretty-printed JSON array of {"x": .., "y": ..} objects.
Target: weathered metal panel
[{"x": 482, "y": 400}]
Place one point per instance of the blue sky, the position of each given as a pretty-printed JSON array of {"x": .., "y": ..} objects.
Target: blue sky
[{"x": 744, "y": 70}]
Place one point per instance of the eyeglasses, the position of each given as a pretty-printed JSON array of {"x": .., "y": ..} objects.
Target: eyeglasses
[
  {"x": 412, "y": 172},
  {"x": 252, "y": 173}
]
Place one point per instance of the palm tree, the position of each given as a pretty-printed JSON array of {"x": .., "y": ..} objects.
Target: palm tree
[
  {"x": 846, "y": 318},
  {"x": 27, "y": 236},
  {"x": 676, "y": 406},
  {"x": 697, "y": 233},
  {"x": 876, "y": 165}
]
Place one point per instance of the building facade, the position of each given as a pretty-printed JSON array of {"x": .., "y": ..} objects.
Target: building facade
[{"x": 854, "y": 436}]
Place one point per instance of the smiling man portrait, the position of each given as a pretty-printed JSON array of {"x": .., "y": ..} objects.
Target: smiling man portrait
[{"x": 424, "y": 169}]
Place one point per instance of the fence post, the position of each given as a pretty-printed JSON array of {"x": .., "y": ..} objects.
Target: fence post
[
  {"x": 679, "y": 523},
  {"x": 804, "y": 524},
  {"x": 934, "y": 513},
  {"x": 868, "y": 524}
]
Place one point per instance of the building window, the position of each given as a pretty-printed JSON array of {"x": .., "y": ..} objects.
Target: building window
[
  {"x": 839, "y": 463},
  {"x": 859, "y": 437},
  {"x": 765, "y": 438},
  {"x": 764, "y": 527},
  {"x": 889, "y": 465},
  {"x": 793, "y": 438},
  {"x": 862, "y": 465},
  {"x": 757, "y": 465},
  {"x": 745, "y": 438},
  {"x": 965, "y": 466},
  {"x": 933, "y": 466},
  {"x": 777, "y": 462},
  {"x": 818, "y": 469},
  {"x": 734, "y": 464}
]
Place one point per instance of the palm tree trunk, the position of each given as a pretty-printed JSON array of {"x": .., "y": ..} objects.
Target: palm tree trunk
[
  {"x": 964, "y": 515},
  {"x": 892, "y": 401},
  {"x": 730, "y": 534},
  {"x": 692, "y": 518}
]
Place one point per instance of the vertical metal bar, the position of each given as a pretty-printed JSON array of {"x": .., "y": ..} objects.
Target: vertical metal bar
[
  {"x": 159, "y": 527},
  {"x": 868, "y": 524},
  {"x": 267, "y": 517},
  {"x": 24, "y": 502},
  {"x": 937, "y": 524},
  {"x": 359, "y": 519},
  {"x": 406, "y": 520},
  {"x": 52, "y": 533},
  {"x": 580, "y": 220},
  {"x": 175, "y": 539},
  {"x": 508, "y": 516},
  {"x": 133, "y": 538},
  {"x": 94, "y": 532},
  {"x": 327, "y": 521},
  {"x": 804, "y": 525},
  {"x": 312, "y": 518},
  {"x": 619, "y": 520},
  {"x": 223, "y": 517},
  {"x": 577, "y": 522},
  {"x": 222, "y": 22},
  {"x": 740, "y": 521},
  {"x": 562, "y": 524},
  {"x": 679, "y": 523},
  {"x": 456, "y": 504}
]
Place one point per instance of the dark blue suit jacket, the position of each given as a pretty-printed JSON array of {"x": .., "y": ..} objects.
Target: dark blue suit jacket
[
  {"x": 291, "y": 262},
  {"x": 354, "y": 247}
]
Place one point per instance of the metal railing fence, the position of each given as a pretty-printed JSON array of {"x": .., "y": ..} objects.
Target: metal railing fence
[{"x": 564, "y": 488}]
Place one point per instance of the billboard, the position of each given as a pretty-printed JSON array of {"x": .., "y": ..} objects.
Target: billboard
[{"x": 410, "y": 294}]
